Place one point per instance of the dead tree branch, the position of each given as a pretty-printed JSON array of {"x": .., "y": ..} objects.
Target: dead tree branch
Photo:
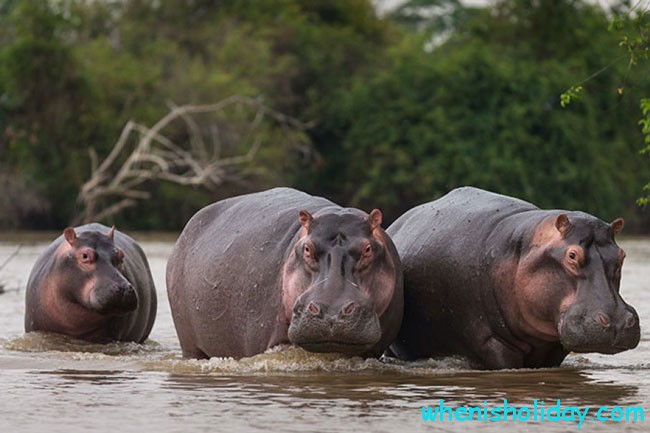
[{"x": 142, "y": 155}]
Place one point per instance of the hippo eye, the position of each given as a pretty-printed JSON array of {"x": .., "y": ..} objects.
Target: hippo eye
[
  {"x": 574, "y": 258},
  {"x": 120, "y": 256},
  {"x": 308, "y": 252},
  {"x": 366, "y": 257},
  {"x": 308, "y": 255},
  {"x": 87, "y": 256}
]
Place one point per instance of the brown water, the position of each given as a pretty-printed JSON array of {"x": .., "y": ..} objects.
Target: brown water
[{"x": 49, "y": 383}]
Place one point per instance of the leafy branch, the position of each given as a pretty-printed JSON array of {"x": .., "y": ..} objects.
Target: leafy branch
[{"x": 634, "y": 23}]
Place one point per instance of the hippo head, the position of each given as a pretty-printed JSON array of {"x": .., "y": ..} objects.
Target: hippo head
[
  {"x": 576, "y": 277},
  {"x": 338, "y": 281},
  {"x": 91, "y": 273}
]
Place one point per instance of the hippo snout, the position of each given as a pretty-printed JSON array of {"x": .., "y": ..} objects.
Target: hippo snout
[
  {"x": 129, "y": 299},
  {"x": 116, "y": 298},
  {"x": 600, "y": 331},
  {"x": 316, "y": 310},
  {"x": 350, "y": 327}
]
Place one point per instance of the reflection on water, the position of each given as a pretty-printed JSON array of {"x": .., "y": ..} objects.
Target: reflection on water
[
  {"x": 56, "y": 384},
  {"x": 70, "y": 400}
]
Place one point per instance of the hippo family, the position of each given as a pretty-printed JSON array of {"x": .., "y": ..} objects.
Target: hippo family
[
  {"x": 281, "y": 266},
  {"x": 508, "y": 285},
  {"x": 92, "y": 283},
  {"x": 474, "y": 273}
]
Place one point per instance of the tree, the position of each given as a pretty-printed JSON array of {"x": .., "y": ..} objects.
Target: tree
[
  {"x": 632, "y": 25},
  {"x": 634, "y": 22},
  {"x": 90, "y": 67},
  {"x": 44, "y": 103},
  {"x": 482, "y": 109},
  {"x": 117, "y": 182}
]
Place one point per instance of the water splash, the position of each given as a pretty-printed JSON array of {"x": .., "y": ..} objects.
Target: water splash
[
  {"x": 291, "y": 359},
  {"x": 37, "y": 342},
  {"x": 36, "y": 348}
]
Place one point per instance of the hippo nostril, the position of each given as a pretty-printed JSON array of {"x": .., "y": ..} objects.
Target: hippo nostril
[
  {"x": 125, "y": 290},
  {"x": 604, "y": 319},
  {"x": 313, "y": 309},
  {"x": 349, "y": 309},
  {"x": 630, "y": 321}
]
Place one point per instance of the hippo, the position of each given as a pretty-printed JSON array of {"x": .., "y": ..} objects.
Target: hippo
[
  {"x": 283, "y": 267},
  {"x": 94, "y": 284},
  {"x": 507, "y": 285}
]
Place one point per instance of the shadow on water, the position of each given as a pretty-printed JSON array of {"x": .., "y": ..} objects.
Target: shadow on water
[{"x": 463, "y": 387}]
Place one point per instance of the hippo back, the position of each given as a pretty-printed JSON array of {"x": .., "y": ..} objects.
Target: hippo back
[
  {"x": 224, "y": 274},
  {"x": 466, "y": 216},
  {"x": 441, "y": 245},
  {"x": 507, "y": 284}
]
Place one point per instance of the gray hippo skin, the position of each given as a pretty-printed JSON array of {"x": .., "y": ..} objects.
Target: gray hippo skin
[
  {"x": 92, "y": 283},
  {"x": 258, "y": 270},
  {"x": 507, "y": 285}
]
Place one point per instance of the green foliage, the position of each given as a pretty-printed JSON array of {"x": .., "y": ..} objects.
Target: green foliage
[
  {"x": 432, "y": 17},
  {"x": 571, "y": 94},
  {"x": 45, "y": 99},
  {"x": 74, "y": 72},
  {"x": 481, "y": 110},
  {"x": 632, "y": 25},
  {"x": 645, "y": 129},
  {"x": 404, "y": 108}
]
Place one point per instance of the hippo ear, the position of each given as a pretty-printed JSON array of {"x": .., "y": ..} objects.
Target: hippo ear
[
  {"x": 617, "y": 225},
  {"x": 70, "y": 235},
  {"x": 375, "y": 219},
  {"x": 306, "y": 219},
  {"x": 111, "y": 233},
  {"x": 562, "y": 224}
]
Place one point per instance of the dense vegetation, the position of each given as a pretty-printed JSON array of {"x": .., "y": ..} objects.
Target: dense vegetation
[{"x": 403, "y": 108}]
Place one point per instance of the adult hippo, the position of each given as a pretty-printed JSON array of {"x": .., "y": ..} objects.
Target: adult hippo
[
  {"x": 508, "y": 285},
  {"x": 258, "y": 270},
  {"x": 92, "y": 283}
]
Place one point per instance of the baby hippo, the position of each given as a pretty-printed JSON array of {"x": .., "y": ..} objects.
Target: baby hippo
[{"x": 92, "y": 283}]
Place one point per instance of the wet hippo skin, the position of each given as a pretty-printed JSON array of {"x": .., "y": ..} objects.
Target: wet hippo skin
[
  {"x": 508, "y": 285},
  {"x": 92, "y": 283},
  {"x": 280, "y": 266}
]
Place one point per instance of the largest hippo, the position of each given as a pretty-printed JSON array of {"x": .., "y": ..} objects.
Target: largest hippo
[
  {"x": 92, "y": 283},
  {"x": 508, "y": 285},
  {"x": 281, "y": 266}
]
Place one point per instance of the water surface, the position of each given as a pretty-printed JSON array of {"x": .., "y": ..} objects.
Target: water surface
[{"x": 51, "y": 383}]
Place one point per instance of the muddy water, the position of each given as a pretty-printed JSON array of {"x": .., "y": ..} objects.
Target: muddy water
[{"x": 50, "y": 383}]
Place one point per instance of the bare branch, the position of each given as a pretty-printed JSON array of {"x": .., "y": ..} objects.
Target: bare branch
[
  {"x": 115, "y": 208},
  {"x": 143, "y": 154}
]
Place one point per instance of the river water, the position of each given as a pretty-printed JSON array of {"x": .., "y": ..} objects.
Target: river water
[{"x": 49, "y": 383}]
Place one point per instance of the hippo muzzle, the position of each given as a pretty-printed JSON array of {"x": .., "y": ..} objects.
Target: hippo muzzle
[
  {"x": 347, "y": 325},
  {"x": 114, "y": 297},
  {"x": 589, "y": 330}
]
